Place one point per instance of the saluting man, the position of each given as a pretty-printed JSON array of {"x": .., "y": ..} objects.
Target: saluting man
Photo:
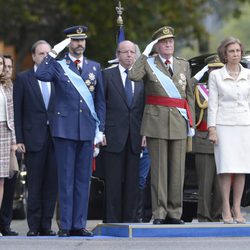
[
  {"x": 78, "y": 125},
  {"x": 167, "y": 121}
]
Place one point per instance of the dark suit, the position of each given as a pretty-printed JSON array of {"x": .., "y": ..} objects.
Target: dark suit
[
  {"x": 74, "y": 131},
  {"x": 33, "y": 128},
  {"x": 121, "y": 156}
]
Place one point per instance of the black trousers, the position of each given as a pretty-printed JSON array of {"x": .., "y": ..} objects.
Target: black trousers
[
  {"x": 42, "y": 186},
  {"x": 6, "y": 211},
  {"x": 121, "y": 185}
]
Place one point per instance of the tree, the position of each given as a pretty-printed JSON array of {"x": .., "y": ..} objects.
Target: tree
[{"x": 25, "y": 21}]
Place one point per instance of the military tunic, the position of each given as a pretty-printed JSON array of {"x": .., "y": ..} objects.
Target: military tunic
[
  {"x": 166, "y": 132},
  {"x": 209, "y": 200}
]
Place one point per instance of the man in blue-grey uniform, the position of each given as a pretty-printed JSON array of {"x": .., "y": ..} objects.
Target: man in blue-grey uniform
[{"x": 78, "y": 125}]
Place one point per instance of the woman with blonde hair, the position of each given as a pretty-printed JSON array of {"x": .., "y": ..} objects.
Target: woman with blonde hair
[
  {"x": 229, "y": 126},
  {"x": 7, "y": 130}
]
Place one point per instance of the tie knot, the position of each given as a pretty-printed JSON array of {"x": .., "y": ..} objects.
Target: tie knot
[
  {"x": 167, "y": 62},
  {"x": 126, "y": 71},
  {"x": 77, "y": 61}
]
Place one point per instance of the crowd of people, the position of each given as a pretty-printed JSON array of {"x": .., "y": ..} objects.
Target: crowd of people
[{"x": 141, "y": 115}]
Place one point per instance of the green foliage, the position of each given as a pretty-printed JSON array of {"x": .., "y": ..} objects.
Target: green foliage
[
  {"x": 235, "y": 27},
  {"x": 25, "y": 21}
]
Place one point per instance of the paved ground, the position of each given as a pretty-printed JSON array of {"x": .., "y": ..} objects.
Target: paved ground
[
  {"x": 21, "y": 225},
  {"x": 112, "y": 243}
]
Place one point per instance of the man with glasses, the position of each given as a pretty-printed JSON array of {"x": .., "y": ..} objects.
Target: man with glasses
[{"x": 121, "y": 155}]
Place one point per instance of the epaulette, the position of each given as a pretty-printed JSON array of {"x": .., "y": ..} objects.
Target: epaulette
[
  {"x": 111, "y": 66},
  {"x": 180, "y": 58}
]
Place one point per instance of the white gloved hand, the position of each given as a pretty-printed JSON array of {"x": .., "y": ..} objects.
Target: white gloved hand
[
  {"x": 96, "y": 151},
  {"x": 149, "y": 48},
  {"x": 59, "y": 47},
  {"x": 98, "y": 138},
  {"x": 200, "y": 74}
]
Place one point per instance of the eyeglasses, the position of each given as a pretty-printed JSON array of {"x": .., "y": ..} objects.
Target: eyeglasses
[{"x": 126, "y": 51}]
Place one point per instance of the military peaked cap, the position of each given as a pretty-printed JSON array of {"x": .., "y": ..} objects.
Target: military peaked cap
[{"x": 76, "y": 32}]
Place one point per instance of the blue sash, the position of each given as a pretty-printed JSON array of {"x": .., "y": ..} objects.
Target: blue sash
[
  {"x": 82, "y": 89},
  {"x": 170, "y": 89}
]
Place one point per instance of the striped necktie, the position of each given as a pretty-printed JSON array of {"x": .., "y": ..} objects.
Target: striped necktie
[
  {"x": 77, "y": 63},
  {"x": 168, "y": 63}
]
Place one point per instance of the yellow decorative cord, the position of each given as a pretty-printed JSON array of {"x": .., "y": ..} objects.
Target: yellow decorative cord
[{"x": 202, "y": 106}]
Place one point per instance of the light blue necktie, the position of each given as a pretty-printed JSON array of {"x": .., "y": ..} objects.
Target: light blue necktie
[{"x": 45, "y": 93}]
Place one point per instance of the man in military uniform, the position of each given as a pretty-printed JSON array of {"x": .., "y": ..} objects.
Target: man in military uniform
[
  {"x": 167, "y": 121},
  {"x": 209, "y": 201},
  {"x": 77, "y": 125}
]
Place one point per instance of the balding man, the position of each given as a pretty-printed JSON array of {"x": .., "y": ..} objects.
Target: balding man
[{"x": 121, "y": 155}]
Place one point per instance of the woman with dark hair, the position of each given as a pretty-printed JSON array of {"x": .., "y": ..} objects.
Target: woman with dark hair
[
  {"x": 7, "y": 132},
  {"x": 229, "y": 125}
]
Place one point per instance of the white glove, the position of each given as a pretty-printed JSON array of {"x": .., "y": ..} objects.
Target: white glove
[
  {"x": 200, "y": 74},
  {"x": 59, "y": 47},
  {"x": 96, "y": 151},
  {"x": 149, "y": 48},
  {"x": 98, "y": 138}
]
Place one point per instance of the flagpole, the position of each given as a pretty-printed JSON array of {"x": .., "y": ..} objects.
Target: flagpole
[
  {"x": 119, "y": 10},
  {"x": 121, "y": 34}
]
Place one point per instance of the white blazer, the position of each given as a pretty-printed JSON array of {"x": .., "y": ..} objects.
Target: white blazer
[{"x": 229, "y": 99}]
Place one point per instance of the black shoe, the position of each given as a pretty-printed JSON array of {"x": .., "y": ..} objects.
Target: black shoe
[
  {"x": 169, "y": 220},
  {"x": 32, "y": 233},
  {"x": 6, "y": 231},
  {"x": 138, "y": 220},
  {"x": 47, "y": 232},
  {"x": 63, "y": 233},
  {"x": 158, "y": 221},
  {"x": 81, "y": 232}
]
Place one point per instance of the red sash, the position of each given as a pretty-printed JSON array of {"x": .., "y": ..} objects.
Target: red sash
[
  {"x": 202, "y": 126},
  {"x": 170, "y": 102}
]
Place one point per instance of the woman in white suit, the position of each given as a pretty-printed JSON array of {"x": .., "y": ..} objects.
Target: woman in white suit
[{"x": 229, "y": 125}]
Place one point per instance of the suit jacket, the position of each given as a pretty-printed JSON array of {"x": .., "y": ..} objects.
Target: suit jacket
[
  {"x": 31, "y": 116},
  {"x": 160, "y": 121},
  {"x": 73, "y": 119},
  {"x": 229, "y": 99},
  {"x": 8, "y": 93},
  {"x": 122, "y": 121}
]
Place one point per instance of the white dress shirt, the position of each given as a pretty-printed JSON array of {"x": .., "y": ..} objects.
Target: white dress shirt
[{"x": 124, "y": 75}]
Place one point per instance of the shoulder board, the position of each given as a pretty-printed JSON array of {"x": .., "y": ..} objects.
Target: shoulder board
[
  {"x": 180, "y": 58},
  {"x": 111, "y": 66}
]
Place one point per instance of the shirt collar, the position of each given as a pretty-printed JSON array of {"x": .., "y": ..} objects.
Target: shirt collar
[
  {"x": 121, "y": 68},
  {"x": 74, "y": 58},
  {"x": 164, "y": 59}
]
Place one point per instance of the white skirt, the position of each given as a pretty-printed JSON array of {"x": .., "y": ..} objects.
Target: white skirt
[{"x": 232, "y": 153}]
